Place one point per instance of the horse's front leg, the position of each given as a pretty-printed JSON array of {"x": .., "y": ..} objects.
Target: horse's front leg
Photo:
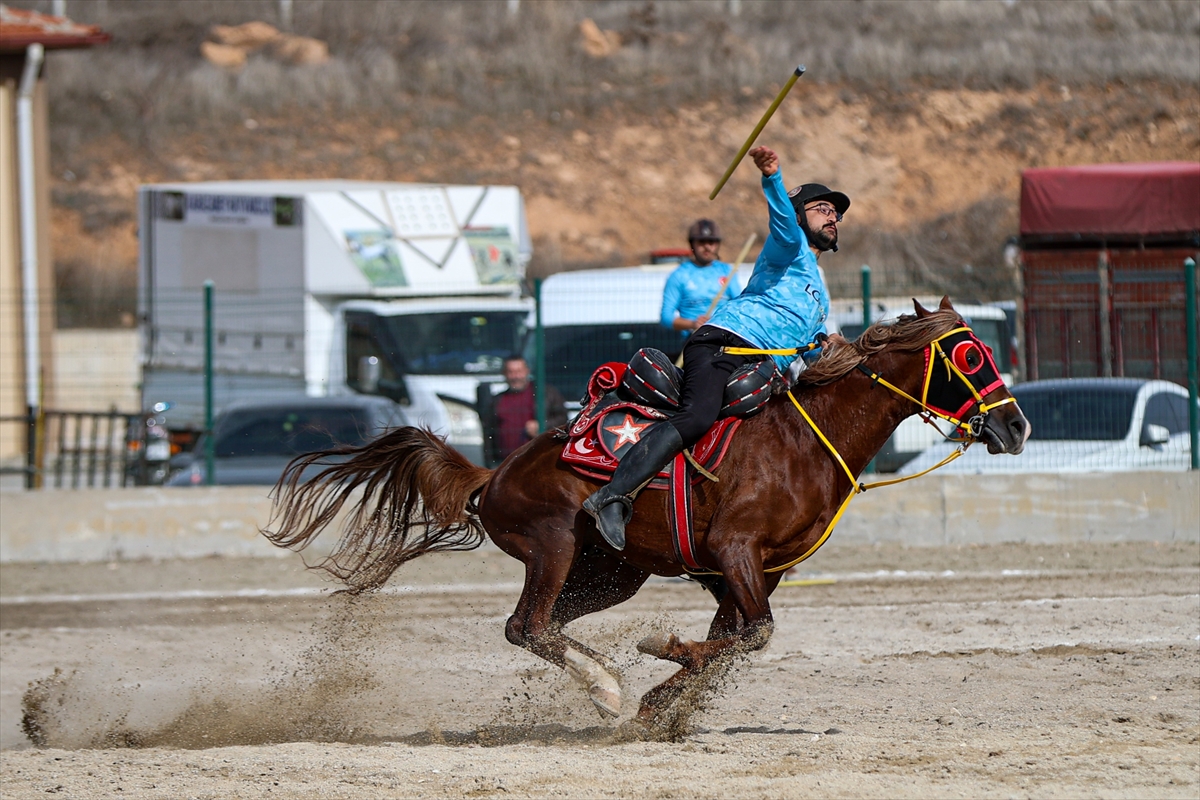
[{"x": 742, "y": 624}]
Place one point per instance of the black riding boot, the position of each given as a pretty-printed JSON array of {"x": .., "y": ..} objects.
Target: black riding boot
[{"x": 612, "y": 505}]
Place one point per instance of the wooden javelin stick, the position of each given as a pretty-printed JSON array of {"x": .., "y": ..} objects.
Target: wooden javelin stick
[{"x": 787, "y": 87}]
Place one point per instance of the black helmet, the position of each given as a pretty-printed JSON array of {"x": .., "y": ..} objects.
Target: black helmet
[
  {"x": 806, "y": 193},
  {"x": 704, "y": 229}
]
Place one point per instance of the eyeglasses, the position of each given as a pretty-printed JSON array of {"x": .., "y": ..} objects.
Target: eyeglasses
[{"x": 825, "y": 210}]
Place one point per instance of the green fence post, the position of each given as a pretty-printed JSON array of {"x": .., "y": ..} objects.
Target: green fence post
[
  {"x": 866, "y": 319},
  {"x": 209, "y": 444},
  {"x": 866, "y": 296},
  {"x": 1189, "y": 277},
  {"x": 539, "y": 355}
]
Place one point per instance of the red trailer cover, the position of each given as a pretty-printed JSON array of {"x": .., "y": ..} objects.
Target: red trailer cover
[{"x": 1111, "y": 199}]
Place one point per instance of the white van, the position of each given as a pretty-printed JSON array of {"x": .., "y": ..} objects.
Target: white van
[
  {"x": 594, "y": 316},
  {"x": 990, "y": 324}
]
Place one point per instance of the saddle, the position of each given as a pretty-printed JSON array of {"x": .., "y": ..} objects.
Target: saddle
[{"x": 624, "y": 400}]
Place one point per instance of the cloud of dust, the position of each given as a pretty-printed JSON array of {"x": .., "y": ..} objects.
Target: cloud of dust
[
  {"x": 325, "y": 698},
  {"x": 333, "y": 693}
]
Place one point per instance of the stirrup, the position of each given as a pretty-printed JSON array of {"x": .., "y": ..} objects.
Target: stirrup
[{"x": 595, "y": 507}]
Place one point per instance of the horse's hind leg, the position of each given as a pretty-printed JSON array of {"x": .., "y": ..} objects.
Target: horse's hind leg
[
  {"x": 598, "y": 580},
  {"x": 533, "y": 627}
]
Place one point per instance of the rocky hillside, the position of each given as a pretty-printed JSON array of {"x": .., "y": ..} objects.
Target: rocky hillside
[
  {"x": 614, "y": 153},
  {"x": 934, "y": 175}
]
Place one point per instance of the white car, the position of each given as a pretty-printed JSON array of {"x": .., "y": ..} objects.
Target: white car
[{"x": 1086, "y": 425}]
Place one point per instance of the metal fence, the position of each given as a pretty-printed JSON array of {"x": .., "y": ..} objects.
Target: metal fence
[
  {"x": 1133, "y": 414},
  {"x": 1120, "y": 400},
  {"x": 79, "y": 449}
]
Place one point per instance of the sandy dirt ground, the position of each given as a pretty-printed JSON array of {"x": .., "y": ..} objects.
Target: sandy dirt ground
[{"x": 999, "y": 671}]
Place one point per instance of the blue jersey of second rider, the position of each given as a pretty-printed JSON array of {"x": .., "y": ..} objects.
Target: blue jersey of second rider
[
  {"x": 690, "y": 290},
  {"x": 785, "y": 303}
]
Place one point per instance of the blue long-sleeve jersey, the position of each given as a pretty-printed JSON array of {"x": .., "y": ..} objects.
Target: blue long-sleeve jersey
[
  {"x": 690, "y": 290},
  {"x": 785, "y": 303}
]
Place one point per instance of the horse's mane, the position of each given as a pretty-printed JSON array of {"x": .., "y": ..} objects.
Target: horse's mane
[{"x": 909, "y": 332}]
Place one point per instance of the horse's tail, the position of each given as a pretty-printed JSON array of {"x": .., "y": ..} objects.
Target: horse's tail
[{"x": 417, "y": 497}]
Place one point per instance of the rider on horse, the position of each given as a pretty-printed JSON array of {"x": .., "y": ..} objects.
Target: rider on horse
[{"x": 784, "y": 306}]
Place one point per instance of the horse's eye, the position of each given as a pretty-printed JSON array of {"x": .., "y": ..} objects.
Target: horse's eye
[{"x": 967, "y": 357}]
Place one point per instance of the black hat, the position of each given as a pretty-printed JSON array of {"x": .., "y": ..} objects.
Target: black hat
[
  {"x": 704, "y": 229},
  {"x": 806, "y": 193}
]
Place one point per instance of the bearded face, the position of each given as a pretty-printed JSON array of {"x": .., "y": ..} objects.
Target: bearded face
[
  {"x": 825, "y": 238},
  {"x": 821, "y": 229}
]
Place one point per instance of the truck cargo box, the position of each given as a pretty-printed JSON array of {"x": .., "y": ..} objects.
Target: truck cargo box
[{"x": 1102, "y": 253}]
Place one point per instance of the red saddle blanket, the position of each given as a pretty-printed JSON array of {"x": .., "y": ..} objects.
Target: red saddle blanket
[{"x": 608, "y": 427}]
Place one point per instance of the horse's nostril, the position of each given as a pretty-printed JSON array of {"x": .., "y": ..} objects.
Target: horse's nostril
[{"x": 1017, "y": 427}]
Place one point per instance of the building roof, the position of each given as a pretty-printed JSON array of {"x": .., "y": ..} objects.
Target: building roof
[
  {"x": 1111, "y": 199},
  {"x": 20, "y": 28}
]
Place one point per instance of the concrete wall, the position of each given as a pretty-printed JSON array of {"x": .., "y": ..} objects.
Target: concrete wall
[
  {"x": 96, "y": 370},
  {"x": 119, "y": 524},
  {"x": 102, "y": 525},
  {"x": 1042, "y": 508}
]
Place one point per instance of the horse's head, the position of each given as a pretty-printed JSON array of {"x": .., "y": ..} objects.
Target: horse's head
[{"x": 963, "y": 384}]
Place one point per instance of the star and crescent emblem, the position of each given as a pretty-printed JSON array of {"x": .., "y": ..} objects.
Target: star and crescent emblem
[{"x": 627, "y": 431}]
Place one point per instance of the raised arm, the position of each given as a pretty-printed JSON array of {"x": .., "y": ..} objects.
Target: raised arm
[{"x": 785, "y": 238}]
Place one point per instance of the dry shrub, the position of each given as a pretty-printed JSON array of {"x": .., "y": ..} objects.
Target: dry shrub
[
  {"x": 386, "y": 54},
  {"x": 960, "y": 254}
]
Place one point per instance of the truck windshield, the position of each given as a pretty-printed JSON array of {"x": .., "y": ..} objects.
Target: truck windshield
[
  {"x": 574, "y": 351},
  {"x": 456, "y": 343},
  {"x": 1078, "y": 413}
]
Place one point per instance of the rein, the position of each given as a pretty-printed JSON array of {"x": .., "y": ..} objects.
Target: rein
[{"x": 971, "y": 429}]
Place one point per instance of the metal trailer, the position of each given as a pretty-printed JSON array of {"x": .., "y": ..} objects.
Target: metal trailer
[{"x": 1102, "y": 253}]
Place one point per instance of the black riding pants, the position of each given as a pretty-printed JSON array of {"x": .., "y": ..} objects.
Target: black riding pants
[{"x": 705, "y": 372}]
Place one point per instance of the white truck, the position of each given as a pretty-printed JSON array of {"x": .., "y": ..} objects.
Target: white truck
[{"x": 410, "y": 291}]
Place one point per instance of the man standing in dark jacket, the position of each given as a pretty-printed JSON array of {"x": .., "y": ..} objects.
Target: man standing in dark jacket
[{"x": 511, "y": 420}]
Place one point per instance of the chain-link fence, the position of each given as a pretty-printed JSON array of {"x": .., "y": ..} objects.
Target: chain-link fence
[
  {"x": 1132, "y": 415},
  {"x": 1108, "y": 390}
]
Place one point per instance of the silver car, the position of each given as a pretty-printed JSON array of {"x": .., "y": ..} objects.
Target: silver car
[
  {"x": 253, "y": 442},
  {"x": 1086, "y": 425}
]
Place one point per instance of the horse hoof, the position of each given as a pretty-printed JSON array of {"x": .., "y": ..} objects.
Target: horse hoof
[
  {"x": 607, "y": 700},
  {"x": 633, "y": 730},
  {"x": 658, "y": 645},
  {"x": 603, "y": 689}
]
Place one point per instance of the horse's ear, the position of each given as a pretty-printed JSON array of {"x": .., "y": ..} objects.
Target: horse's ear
[
  {"x": 922, "y": 311},
  {"x": 945, "y": 304}
]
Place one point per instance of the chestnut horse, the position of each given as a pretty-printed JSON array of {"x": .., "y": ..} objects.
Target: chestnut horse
[{"x": 785, "y": 478}]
